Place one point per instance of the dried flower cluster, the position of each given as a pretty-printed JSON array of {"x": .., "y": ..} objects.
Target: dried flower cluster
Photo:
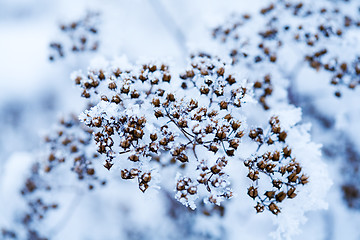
[
  {"x": 69, "y": 149},
  {"x": 342, "y": 73},
  {"x": 77, "y": 36},
  {"x": 282, "y": 169},
  {"x": 144, "y": 127},
  {"x": 263, "y": 88},
  {"x": 310, "y": 32},
  {"x": 315, "y": 33},
  {"x": 72, "y": 143},
  {"x": 204, "y": 135}
]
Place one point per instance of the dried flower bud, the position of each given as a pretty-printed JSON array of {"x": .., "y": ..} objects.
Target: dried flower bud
[
  {"x": 134, "y": 158},
  {"x": 274, "y": 208},
  {"x": 280, "y": 196},
  {"x": 252, "y": 192},
  {"x": 223, "y": 105}
]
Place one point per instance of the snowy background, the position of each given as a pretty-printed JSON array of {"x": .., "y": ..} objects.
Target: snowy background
[{"x": 35, "y": 92}]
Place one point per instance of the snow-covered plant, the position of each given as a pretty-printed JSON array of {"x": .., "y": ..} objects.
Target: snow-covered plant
[
  {"x": 219, "y": 136},
  {"x": 146, "y": 119},
  {"x": 68, "y": 149},
  {"x": 309, "y": 43},
  {"x": 293, "y": 32},
  {"x": 195, "y": 134}
]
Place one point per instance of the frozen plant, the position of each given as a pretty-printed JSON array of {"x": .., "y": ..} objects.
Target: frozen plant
[
  {"x": 66, "y": 160},
  {"x": 149, "y": 120},
  {"x": 206, "y": 136},
  {"x": 195, "y": 134},
  {"x": 313, "y": 40},
  {"x": 296, "y": 32}
]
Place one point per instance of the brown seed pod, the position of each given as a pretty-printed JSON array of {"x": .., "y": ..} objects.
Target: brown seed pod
[
  {"x": 277, "y": 183},
  {"x": 259, "y": 207},
  {"x": 270, "y": 194},
  {"x": 90, "y": 171},
  {"x": 51, "y": 157},
  {"x": 234, "y": 143},
  {"x": 274, "y": 208},
  {"x": 158, "y": 114},
  {"x": 108, "y": 165},
  {"x": 252, "y": 192},
  {"x": 170, "y": 97},
  {"x": 192, "y": 190},
  {"x": 220, "y": 134},
  {"x": 183, "y": 158},
  {"x": 146, "y": 177},
  {"x": 215, "y": 169},
  {"x": 180, "y": 186},
  {"x": 304, "y": 179},
  {"x": 153, "y": 137},
  {"x": 291, "y": 193},
  {"x": 287, "y": 152},
  {"x": 156, "y": 102},
  {"x": 134, "y": 158},
  {"x": 293, "y": 177},
  {"x": 220, "y": 71},
  {"x": 125, "y": 144},
  {"x": 257, "y": 84},
  {"x": 276, "y": 156},
  {"x": 280, "y": 196},
  {"x": 282, "y": 136},
  {"x": 166, "y": 78},
  {"x": 112, "y": 85},
  {"x": 253, "y": 175}
]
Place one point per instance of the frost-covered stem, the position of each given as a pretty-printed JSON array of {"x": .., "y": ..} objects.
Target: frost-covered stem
[
  {"x": 194, "y": 151},
  {"x": 186, "y": 134}
]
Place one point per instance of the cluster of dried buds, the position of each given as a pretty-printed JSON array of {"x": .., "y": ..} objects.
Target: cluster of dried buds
[
  {"x": 119, "y": 128},
  {"x": 68, "y": 149},
  {"x": 245, "y": 48},
  {"x": 209, "y": 76},
  {"x": 186, "y": 191},
  {"x": 37, "y": 211},
  {"x": 79, "y": 36},
  {"x": 37, "y": 208},
  {"x": 117, "y": 86},
  {"x": 214, "y": 179},
  {"x": 140, "y": 124},
  {"x": 342, "y": 73},
  {"x": 277, "y": 165},
  {"x": 176, "y": 126},
  {"x": 320, "y": 42},
  {"x": 263, "y": 89},
  {"x": 72, "y": 145}
]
